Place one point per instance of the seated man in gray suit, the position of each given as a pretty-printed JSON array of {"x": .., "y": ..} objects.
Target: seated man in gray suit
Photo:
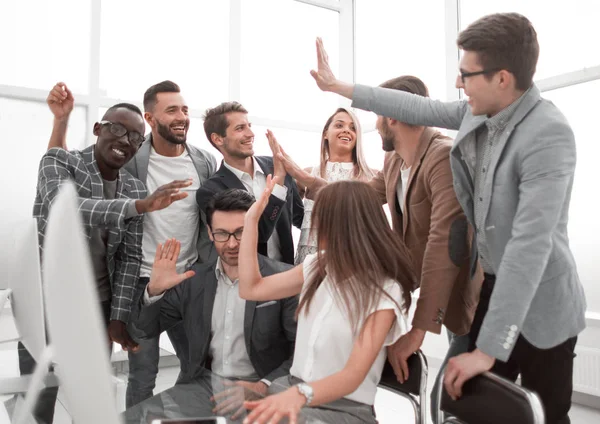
[
  {"x": 239, "y": 339},
  {"x": 513, "y": 162}
]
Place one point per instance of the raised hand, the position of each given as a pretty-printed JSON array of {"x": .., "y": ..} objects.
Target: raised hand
[
  {"x": 163, "y": 196},
  {"x": 164, "y": 273},
  {"x": 323, "y": 75},
  {"x": 256, "y": 210},
  {"x": 279, "y": 170},
  {"x": 60, "y": 101}
]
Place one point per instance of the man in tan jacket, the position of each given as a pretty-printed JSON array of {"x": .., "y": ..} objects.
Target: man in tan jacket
[{"x": 416, "y": 183}]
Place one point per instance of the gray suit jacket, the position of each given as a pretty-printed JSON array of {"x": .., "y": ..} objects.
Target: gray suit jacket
[
  {"x": 530, "y": 177},
  {"x": 270, "y": 331},
  {"x": 124, "y": 244},
  {"x": 205, "y": 165}
]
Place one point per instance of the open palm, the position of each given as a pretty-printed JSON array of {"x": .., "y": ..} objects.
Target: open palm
[{"x": 164, "y": 271}]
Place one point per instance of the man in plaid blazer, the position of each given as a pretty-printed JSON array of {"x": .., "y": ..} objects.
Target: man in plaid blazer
[{"x": 111, "y": 204}]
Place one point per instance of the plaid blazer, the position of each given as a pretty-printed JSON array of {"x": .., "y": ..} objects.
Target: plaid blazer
[{"x": 124, "y": 244}]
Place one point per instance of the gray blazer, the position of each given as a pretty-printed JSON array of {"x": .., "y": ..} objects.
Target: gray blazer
[
  {"x": 205, "y": 165},
  {"x": 270, "y": 331},
  {"x": 537, "y": 291}
]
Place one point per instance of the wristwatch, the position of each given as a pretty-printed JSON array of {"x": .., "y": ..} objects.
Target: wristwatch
[{"x": 306, "y": 391}]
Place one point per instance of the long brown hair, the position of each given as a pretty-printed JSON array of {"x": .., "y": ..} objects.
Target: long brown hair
[
  {"x": 362, "y": 171},
  {"x": 357, "y": 250}
]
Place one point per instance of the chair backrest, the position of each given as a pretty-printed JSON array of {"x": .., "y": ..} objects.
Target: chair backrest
[
  {"x": 77, "y": 336},
  {"x": 490, "y": 399},
  {"x": 417, "y": 375},
  {"x": 25, "y": 281}
]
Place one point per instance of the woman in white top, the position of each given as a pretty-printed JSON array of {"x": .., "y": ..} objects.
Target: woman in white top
[
  {"x": 342, "y": 158},
  {"x": 353, "y": 296}
]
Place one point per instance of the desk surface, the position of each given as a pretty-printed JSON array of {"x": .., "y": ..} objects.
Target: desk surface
[{"x": 195, "y": 400}]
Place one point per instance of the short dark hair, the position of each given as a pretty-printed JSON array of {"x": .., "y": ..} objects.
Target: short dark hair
[
  {"x": 233, "y": 199},
  {"x": 407, "y": 83},
  {"x": 129, "y": 106},
  {"x": 162, "y": 87},
  {"x": 215, "y": 119},
  {"x": 504, "y": 41}
]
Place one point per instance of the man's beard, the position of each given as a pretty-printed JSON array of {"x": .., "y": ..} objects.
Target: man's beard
[
  {"x": 165, "y": 132},
  {"x": 387, "y": 143}
]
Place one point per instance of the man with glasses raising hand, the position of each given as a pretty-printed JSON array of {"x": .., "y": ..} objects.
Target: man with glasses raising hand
[{"x": 111, "y": 203}]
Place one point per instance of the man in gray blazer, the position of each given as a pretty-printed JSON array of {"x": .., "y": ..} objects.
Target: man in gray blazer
[
  {"x": 165, "y": 153},
  {"x": 250, "y": 341},
  {"x": 513, "y": 163}
]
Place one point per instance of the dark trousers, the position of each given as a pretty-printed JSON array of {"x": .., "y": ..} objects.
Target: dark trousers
[
  {"x": 143, "y": 364},
  {"x": 547, "y": 372},
  {"x": 44, "y": 408}
]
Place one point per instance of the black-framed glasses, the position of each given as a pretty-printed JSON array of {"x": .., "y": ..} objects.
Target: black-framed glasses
[
  {"x": 464, "y": 75},
  {"x": 134, "y": 137},
  {"x": 223, "y": 236}
]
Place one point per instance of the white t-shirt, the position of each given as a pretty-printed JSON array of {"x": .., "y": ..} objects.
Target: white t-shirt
[
  {"x": 325, "y": 337},
  {"x": 180, "y": 220},
  {"x": 400, "y": 188}
]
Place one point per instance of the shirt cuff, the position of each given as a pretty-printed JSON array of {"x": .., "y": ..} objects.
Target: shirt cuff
[
  {"x": 280, "y": 191},
  {"x": 148, "y": 300},
  {"x": 131, "y": 210},
  {"x": 267, "y": 382}
]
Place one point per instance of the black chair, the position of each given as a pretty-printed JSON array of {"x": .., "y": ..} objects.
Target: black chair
[
  {"x": 414, "y": 389},
  {"x": 490, "y": 399}
]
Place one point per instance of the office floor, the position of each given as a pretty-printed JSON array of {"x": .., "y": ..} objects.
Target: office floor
[{"x": 391, "y": 409}]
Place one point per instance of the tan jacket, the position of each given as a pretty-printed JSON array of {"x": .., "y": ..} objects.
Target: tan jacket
[{"x": 436, "y": 233}]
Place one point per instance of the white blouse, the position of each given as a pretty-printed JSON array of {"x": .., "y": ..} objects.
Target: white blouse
[{"x": 325, "y": 336}]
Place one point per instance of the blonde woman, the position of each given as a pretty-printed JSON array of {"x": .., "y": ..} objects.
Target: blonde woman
[
  {"x": 353, "y": 299},
  {"x": 342, "y": 158}
]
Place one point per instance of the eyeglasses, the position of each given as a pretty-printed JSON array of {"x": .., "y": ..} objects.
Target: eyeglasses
[
  {"x": 223, "y": 236},
  {"x": 464, "y": 75},
  {"x": 134, "y": 137}
]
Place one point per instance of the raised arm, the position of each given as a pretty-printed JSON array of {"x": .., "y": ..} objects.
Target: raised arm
[
  {"x": 58, "y": 165},
  {"x": 60, "y": 100},
  {"x": 303, "y": 177},
  {"x": 254, "y": 286},
  {"x": 405, "y": 107}
]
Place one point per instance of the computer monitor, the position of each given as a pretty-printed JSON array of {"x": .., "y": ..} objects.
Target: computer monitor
[
  {"x": 25, "y": 280},
  {"x": 78, "y": 338}
]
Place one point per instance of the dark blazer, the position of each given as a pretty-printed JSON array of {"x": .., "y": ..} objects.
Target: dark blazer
[
  {"x": 270, "y": 331},
  {"x": 278, "y": 214}
]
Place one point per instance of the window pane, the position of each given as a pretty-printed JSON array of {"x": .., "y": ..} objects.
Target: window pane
[
  {"x": 373, "y": 151},
  {"x": 145, "y": 42},
  {"x": 25, "y": 127},
  {"x": 392, "y": 40},
  {"x": 584, "y": 226},
  {"x": 277, "y": 55},
  {"x": 565, "y": 31},
  {"x": 197, "y": 138},
  {"x": 302, "y": 146},
  {"x": 45, "y": 42}
]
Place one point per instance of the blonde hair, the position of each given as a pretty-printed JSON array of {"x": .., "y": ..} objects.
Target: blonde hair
[{"x": 362, "y": 172}]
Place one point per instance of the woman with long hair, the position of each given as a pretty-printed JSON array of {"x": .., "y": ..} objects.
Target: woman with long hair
[
  {"x": 342, "y": 158},
  {"x": 354, "y": 293}
]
